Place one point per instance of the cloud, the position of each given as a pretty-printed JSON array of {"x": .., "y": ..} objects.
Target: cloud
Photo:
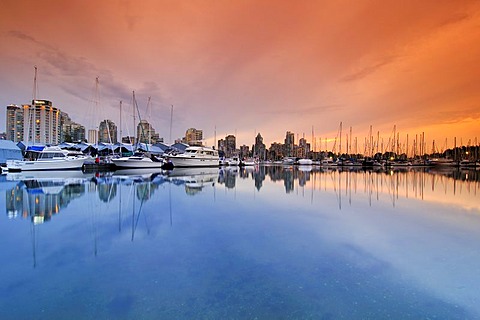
[
  {"x": 25, "y": 37},
  {"x": 367, "y": 70}
]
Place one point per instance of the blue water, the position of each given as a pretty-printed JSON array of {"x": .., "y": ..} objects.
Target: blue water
[{"x": 261, "y": 243}]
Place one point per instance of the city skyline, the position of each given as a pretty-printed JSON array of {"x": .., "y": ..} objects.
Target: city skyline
[{"x": 244, "y": 67}]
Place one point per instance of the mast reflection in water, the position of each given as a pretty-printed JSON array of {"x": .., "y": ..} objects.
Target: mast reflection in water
[{"x": 253, "y": 242}]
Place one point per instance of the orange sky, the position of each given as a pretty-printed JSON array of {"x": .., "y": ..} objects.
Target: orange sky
[{"x": 252, "y": 66}]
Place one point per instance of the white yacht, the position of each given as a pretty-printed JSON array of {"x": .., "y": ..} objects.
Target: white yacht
[
  {"x": 288, "y": 161},
  {"x": 247, "y": 162},
  {"x": 328, "y": 162},
  {"x": 233, "y": 161},
  {"x": 195, "y": 157},
  {"x": 138, "y": 161},
  {"x": 305, "y": 162},
  {"x": 47, "y": 158}
]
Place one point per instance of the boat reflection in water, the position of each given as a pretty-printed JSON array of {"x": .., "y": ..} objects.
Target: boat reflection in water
[
  {"x": 39, "y": 195},
  {"x": 194, "y": 179}
]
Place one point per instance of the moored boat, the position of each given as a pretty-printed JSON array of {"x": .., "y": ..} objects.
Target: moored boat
[
  {"x": 234, "y": 161},
  {"x": 288, "y": 161},
  {"x": 138, "y": 161},
  {"x": 195, "y": 157},
  {"x": 47, "y": 158},
  {"x": 445, "y": 162},
  {"x": 305, "y": 162},
  {"x": 328, "y": 162},
  {"x": 247, "y": 162}
]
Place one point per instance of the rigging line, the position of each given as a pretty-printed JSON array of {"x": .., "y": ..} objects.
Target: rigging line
[{"x": 139, "y": 119}]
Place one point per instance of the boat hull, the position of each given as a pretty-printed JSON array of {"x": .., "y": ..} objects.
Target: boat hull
[
  {"x": 305, "y": 162},
  {"x": 63, "y": 164},
  {"x": 136, "y": 163},
  {"x": 182, "y": 161}
]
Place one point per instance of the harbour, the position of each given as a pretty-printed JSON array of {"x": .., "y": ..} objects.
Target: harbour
[{"x": 242, "y": 160}]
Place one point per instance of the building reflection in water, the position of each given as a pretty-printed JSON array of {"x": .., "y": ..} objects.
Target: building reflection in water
[
  {"x": 421, "y": 183},
  {"x": 40, "y": 200}
]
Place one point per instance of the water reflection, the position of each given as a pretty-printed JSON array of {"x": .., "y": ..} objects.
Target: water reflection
[
  {"x": 41, "y": 195},
  {"x": 194, "y": 179}
]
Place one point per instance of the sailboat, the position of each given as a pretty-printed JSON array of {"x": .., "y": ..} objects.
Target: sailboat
[{"x": 138, "y": 160}]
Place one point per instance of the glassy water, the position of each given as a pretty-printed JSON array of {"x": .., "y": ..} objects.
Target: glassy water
[{"x": 255, "y": 243}]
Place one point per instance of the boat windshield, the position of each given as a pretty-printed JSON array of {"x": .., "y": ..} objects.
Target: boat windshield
[{"x": 51, "y": 155}]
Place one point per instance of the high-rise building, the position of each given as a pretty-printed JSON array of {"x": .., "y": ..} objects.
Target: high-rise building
[
  {"x": 107, "y": 132},
  {"x": 244, "y": 152},
  {"x": 71, "y": 131},
  {"x": 92, "y": 136},
  {"x": 230, "y": 146},
  {"x": 276, "y": 151},
  {"x": 41, "y": 123},
  {"x": 303, "y": 148},
  {"x": 259, "y": 148},
  {"x": 77, "y": 132},
  {"x": 193, "y": 137},
  {"x": 289, "y": 144},
  {"x": 221, "y": 146},
  {"x": 14, "y": 123},
  {"x": 146, "y": 133}
]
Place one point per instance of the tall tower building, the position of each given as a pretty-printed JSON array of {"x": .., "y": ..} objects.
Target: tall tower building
[
  {"x": 193, "y": 137},
  {"x": 259, "y": 148},
  {"x": 107, "y": 132},
  {"x": 289, "y": 144},
  {"x": 146, "y": 133},
  {"x": 41, "y": 123},
  {"x": 303, "y": 148},
  {"x": 230, "y": 145},
  {"x": 71, "y": 131},
  {"x": 14, "y": 123}
]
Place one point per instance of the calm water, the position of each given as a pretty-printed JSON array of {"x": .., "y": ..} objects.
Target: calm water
[{"x": 264, "y": 243}]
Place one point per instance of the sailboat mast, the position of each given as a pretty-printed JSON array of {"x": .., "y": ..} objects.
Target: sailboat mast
[
  {"x": 121, "y": 133},
  {"x": 349, "y": 150},
  {"x": 31, "y": 115},
  {"x": 134, "y": 118},
  {"x": 171, "y": 120},
  {"x": 340, "y": 145},
  {"x": 149, "y": 112},
  {"x": 96, "y": 108}
]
